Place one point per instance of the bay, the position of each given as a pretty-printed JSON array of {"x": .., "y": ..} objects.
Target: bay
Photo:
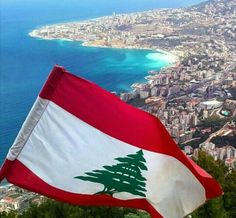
[{"x": 25, "y": 62}]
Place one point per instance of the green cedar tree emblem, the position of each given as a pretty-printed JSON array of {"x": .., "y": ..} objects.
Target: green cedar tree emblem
[{"x": 125, "y": 176}]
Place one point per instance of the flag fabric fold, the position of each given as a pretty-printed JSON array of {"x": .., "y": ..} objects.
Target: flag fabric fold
[{"x": 83, "y": 145}]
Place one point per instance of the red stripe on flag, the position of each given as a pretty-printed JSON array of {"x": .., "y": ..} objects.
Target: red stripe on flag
[
  {"x": 5, "y": 169},
  {"x": 109, "y": 114},
  {"x": 22, "y": 176}
]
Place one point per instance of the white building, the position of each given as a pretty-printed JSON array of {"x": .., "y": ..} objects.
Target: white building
[{"x": 213, "y": 104}]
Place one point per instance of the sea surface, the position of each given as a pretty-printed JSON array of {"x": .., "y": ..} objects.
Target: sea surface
[{"x": 25, "y": 62}]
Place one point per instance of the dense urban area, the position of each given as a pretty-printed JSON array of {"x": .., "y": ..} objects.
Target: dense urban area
[{"x": 195, "y": 99}]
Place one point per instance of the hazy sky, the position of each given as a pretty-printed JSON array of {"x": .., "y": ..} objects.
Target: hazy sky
[
  {"x": 86, "y": 8},
  {"x": 107, "y": 3}
]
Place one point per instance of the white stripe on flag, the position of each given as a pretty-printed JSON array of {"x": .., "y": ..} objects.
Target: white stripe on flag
[{"x": 85, "y": 148}]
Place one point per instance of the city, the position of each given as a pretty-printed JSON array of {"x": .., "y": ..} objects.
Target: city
[
  {"x": 195, "y": 99},
  {"x": 202, "y": 82}
]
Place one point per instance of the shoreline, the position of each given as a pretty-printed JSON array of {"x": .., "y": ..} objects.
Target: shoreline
[
  {"x": 76, "y": 31},
  {"x": 6, "y": 185},
  {"x": 169, "y": 31},
  {"x": 175, "y": 59},
  {"x": 84, "y": 43}
]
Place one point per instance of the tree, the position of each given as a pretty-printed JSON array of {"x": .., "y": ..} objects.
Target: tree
[
  {"x": 11, "y": 214},
  {"x": 223, "y": 206},
  {"x": 229, "y": 197},
  {"x": 125, "y": 176},
  {"x": 54, "y": 209}
]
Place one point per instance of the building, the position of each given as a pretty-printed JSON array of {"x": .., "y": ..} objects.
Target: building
[
  {"x": 173, "y": 90},
  {"x": 154, "y": 100},
  {"x": 188, "y": 149},
  {"x": 231, "y": 162},
  {"x": 194, "y": 120},
  {"x": 222, "y": 153},
  {"x": 213, "y": 104},
  {"x": 154, "y": 91},
  {"x": 144, "y": 94},
  {"x": 205, "y": 114},
  {"x": 8, "y": 203},
  {"x": 185, "y": 136}
]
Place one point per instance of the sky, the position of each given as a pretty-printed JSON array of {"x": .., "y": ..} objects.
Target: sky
[
  {"x": 106, "y": 3},
  {"x": 93, "y": 8}
]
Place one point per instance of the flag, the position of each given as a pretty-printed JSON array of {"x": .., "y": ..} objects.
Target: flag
[{"x": 83, "y": 145}]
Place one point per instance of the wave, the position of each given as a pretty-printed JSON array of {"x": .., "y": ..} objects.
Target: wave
[{"x": 161, "y": 57}]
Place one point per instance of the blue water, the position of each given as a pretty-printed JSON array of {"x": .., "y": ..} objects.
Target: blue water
[{"x": 25, "y": 62}]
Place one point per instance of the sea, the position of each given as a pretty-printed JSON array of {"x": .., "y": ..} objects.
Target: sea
[{"x": 25, "y": 62}]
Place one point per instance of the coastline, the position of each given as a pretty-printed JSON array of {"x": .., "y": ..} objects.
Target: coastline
[
  {"x": 169, "y": 123},
  {"x": 135, "y": 48},
  {"x": 174, "y": 58},
  {"x": 7, "y": 185},
  {"x": 104, "y": 32},
  {"x": 86, "y": 44}
]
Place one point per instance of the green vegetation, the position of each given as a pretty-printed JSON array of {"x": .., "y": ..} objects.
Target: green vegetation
[
  {"x": 224, "y": 206},
  {"x": 54, "y": 209},
  {"x": 195, "y": 143},
  {"x": 221, "y": 207},
  {"x": 136, "y": 102},
  {"x": 15, "y": 195},
  {"x": 11, "y": 214},
  {"x": 214, "y": 122},
  {"x": 221, "y": 141}
]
